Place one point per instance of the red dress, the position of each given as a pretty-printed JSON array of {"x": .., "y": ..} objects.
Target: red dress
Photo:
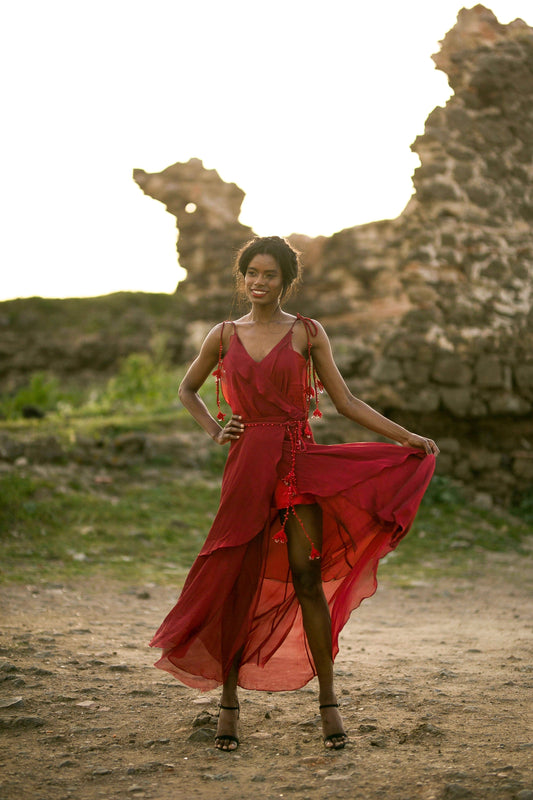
[{"x": 239, "y": 592}]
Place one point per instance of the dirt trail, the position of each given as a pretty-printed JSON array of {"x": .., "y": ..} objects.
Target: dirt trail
[{"x": 435, "y": 685}]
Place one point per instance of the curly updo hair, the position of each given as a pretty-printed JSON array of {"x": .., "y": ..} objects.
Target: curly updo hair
[{"x": 286, "y": 256}]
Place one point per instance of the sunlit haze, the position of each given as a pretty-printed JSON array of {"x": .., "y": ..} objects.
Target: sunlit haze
[{"x": 309, "y": 107}]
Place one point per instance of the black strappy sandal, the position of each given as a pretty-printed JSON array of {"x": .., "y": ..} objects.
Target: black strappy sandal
[
  {"x": 226, "y": 737},
  {"x": 338, "y": 740}
]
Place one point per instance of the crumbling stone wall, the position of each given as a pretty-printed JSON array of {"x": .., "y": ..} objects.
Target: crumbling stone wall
[{"x": 430, "y": 314}]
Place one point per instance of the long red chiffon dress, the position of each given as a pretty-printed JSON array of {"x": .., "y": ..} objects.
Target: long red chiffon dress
[{"x": 239, "y": 593}]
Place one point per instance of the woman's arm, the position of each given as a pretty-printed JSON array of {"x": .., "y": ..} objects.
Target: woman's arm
[
  {"x": 351, "y": 407},
  {"x": 196, "y": 375}
]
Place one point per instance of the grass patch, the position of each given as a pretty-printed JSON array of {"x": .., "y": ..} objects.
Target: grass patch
[
  {"x": 130, "y": 529},
  {"x": 450, "y": 535}
]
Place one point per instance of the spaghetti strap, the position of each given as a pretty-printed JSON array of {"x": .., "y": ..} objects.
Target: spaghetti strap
[
  {"x": 310, "y": 325},
  {"x": 314, "y": 386},
  {"x": 217, "y": 374}
]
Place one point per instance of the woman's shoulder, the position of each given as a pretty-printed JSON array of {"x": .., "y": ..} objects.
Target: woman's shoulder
[
  {"x": 312, "y": 326},
  {"x": 219, "y": 333}
]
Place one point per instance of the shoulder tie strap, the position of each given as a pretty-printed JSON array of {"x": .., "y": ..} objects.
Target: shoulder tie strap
[
  {"x": 217, "y": 374},
  {"x": 313, "y": 385}
]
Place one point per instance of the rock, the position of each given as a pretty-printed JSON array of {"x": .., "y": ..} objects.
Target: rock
[
  {"x": 11, "y": 702},
  {"x": 522, "y": 465},
  {"x": 524, "y": 375},
  {"x": 10, "y": 448},
  {"x": 452, "y": 371},
  {"x": 456, "y": 791},
  {"x": 507, "y": 403},
  {"x": 386, "y": 371},
  {"x": 7, "y": 666},
  {"x": 204, "y": 718},
  {"x": 483, "y": 500},
  {"x": 27, "y": 722},
  {"x": 202, "y": 735},
  {"x": 481, "y": 459},
  {"x": 457, "y": 400},
  {"x": 44, "y": 449},
  {"x": 489, "y": 372},
  {"x": 424, "y": 400},
  {"x": 422, "y": 734}
]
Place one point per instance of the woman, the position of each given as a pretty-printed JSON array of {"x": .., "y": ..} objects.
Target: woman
[{"x": 301, "y": 527}]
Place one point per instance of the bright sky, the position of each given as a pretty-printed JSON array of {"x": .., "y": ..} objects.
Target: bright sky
[{"x": 310, "y": 107}]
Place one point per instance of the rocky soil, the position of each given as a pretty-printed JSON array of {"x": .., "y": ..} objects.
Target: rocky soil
[{"x": 434, "y": 683}]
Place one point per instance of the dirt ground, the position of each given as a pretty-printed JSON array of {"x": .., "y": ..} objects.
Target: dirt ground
[{"x": 434, "y": 683}]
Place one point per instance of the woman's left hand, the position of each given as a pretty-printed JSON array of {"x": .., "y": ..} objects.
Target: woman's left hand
[{"x": 422, "y": 443}]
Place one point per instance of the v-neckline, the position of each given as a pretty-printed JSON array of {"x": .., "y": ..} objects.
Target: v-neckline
[{"x": 236, "y": 334}]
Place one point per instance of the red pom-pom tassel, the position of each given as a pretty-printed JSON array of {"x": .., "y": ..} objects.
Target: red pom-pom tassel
[
  {"x": 280, "y": 537},
  {"x": 221, "y": 415},
  {"x": 314, "y": 554},
  {"x": 317, "y": 413}
]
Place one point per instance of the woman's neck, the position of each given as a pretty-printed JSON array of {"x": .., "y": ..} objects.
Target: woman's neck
[{"x": 263, "y": 315}]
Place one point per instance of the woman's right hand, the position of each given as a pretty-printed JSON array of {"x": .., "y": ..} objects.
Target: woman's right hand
[{"x": 232, "y": 430}]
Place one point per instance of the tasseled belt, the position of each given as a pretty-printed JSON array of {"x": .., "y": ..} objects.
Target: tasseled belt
[{"x": 296, "y": 429}]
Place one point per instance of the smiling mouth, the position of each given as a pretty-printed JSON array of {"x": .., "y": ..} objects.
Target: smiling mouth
[{"x": 259, "y": 292}]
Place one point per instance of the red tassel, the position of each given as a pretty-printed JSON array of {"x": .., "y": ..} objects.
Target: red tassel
[
  {"x": 317, "y": 413},
  {"x": 217, "y": 373},
  {"x": 310, "y": 392},
  {"x": 221, "y": 416},
  {"x": 314, "y": 554},
  {"x": 280, "y": 537},
  {"x": 320, "y": 386}
]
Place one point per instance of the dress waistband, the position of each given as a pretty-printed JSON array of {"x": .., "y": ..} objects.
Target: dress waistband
[{"x": 274, "y": 421}]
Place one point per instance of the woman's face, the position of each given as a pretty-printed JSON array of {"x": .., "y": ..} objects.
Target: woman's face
[{"x": 263, "y": 282}]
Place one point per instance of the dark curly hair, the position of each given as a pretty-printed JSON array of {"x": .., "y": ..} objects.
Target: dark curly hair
[{"x": 285, "y": 255}]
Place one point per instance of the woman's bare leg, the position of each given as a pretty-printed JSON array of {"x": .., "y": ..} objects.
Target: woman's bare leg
[
  {"x": 306, "y": 576},
  {"x": 229, "y": 709}
]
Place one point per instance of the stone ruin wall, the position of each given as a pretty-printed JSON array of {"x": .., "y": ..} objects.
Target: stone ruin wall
[{"x": 430, "y": 314}]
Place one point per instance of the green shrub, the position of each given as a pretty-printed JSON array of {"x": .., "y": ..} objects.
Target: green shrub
[{"x": 42, "y": 391}]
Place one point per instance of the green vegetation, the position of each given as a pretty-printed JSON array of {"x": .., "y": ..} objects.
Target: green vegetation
[
  {"x": 130, "y": 528},
  {"x": 144, "y": 520},
  {"x": 451, "y": 535},
  {"x": 144, "y": 384}
]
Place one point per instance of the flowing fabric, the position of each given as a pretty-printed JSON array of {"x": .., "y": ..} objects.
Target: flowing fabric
[{"x": 239, "y": 594}]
